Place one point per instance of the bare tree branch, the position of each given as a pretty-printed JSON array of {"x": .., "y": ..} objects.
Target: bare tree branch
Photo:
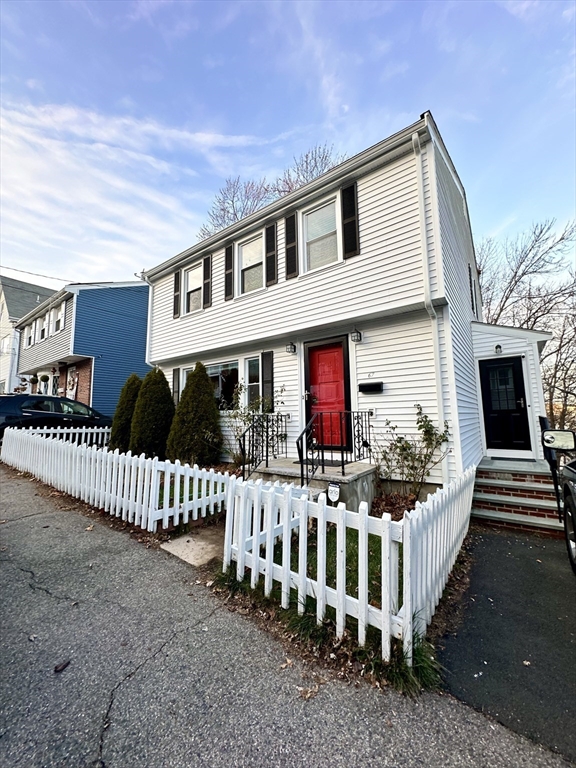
[
  {"x": 238, "y": 199},
  {"x": 306, "y": 168},
  {"x": 526, "y": 283}
]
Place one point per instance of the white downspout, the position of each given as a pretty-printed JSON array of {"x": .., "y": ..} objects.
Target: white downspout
[{"x": 427, "y": 293}]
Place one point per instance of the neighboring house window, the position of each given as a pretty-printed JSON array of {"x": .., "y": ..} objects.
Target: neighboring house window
[
  {"x": 253, "y": 378},
  {"x": 224, "y": 377},
  {"x": 58, "y": 318},
  {"x": 251, "y": 266},
  {"x": 29, "y": 335},
  {"x": 193, "y": 278},
  {"x": 320, "y": 236},
  {"x": 55, "y": 382},
  {"x": 43, "y": 324}
]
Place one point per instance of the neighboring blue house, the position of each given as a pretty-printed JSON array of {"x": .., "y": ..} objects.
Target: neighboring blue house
[{"x": 84, "y": 341}]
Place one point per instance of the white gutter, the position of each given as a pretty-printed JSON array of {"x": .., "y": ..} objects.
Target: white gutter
[{"x": 428, "y": 294}]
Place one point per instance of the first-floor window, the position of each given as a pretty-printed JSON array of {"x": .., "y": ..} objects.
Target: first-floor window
[
  {"x": 194, "y": 288},
  {"x": 320, "y": 233},
  {"x": 253, "y": 377},
  {"x": 224, "y": 377},
  {"x": 250, "y": 257}
]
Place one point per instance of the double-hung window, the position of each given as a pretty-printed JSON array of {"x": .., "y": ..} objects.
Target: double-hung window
[
  {"x": 43, "y": 325},
  {"x": 224, "y": 378},
  {"x": 193, "y": 283},
  {"x": 58, "y": 318},
  {"x": 251, "y": 264},
  {"x": 320, "y": 236},
  {"x": 253, "y": 376},
  {"x": 29, "y": 335}
]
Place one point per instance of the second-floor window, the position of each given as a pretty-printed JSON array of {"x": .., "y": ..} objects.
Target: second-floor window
[
  {"x": 29, "y": 335},
  {"x": 251, "y": 265},
  {"x": 320, "y": 235},
  {"x": 43, "y": 325},
  {"x": 193, "y": 287},
  {"x": 58, "y": 315}
]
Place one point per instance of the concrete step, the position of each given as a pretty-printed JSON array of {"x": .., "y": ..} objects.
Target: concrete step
[
  {"x": 514, "y": 501},
  {"x": 549, "y": 522}
]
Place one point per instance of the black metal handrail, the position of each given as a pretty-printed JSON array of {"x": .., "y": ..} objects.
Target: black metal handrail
[
  {"x": 263, "y": 439},
  {"x": 330, "y": 434}
]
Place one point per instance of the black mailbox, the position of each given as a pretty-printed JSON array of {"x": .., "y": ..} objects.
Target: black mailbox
[{"x": 371, "y": 387}]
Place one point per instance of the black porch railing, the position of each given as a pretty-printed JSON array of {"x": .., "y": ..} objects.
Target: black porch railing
[
  {"x": 334, "y": 439},
  {"x": 264, "y": 439}
]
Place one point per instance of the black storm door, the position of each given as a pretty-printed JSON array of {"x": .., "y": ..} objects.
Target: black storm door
[{"x": 504, "y": 402}]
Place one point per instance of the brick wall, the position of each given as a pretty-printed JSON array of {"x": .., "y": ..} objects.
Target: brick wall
[{"x": 84, "y": 373}]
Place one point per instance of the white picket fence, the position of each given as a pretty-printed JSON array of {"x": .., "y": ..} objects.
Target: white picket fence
[
  {"x": 424, "y": 545},
  {"x": 99, "y": 436},
  {"x": 139, "y": 490},
  {"x": 419, "y": 551}
]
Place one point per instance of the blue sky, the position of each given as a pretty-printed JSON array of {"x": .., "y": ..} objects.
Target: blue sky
[{"x": 121, "y": 120}]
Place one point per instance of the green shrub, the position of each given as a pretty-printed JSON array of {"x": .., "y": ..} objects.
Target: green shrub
[
  {"x": 196, "y": 436},
  {"x": 153, "y": 414},
  {"x": 122, "y": 421}
]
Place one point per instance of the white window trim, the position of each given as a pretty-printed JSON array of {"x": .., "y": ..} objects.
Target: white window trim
[
  {"x": 334, "y": 198},
  {"x": 60, "y": 309},
  {"x": 184, "y": 285},
  {"x": 246, "y": 379},
  {"x": 237, "y": 268}
]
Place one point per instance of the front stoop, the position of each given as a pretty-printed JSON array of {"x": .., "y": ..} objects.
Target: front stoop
[{"x": 516, "y": 492}]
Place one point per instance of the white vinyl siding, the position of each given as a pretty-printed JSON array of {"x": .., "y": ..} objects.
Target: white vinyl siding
[
  {"x": 55, "y": 347},
  {"x": 457, "y": 253},
  {"x": 386, "y": 276}
]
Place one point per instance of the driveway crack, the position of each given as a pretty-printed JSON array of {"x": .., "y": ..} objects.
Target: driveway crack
[
  {"x": 38, "y": 587},
  {"x": 100, "y": 763}
]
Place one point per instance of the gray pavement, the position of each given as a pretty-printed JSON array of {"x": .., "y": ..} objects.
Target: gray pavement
[
  {"x": 514, "y": 656},
  {"x": 162, "y": 674}
]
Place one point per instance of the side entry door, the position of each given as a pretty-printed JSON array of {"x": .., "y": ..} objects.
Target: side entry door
[{"x": 504, "y": 403}]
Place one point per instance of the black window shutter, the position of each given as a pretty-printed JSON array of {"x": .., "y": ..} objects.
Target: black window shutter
[
  {"x": 291, "y": 246},
  {"x": 177, "y": 294},
  {"x": 268, "y": 381},
  {"x": 207, "y": 282},
  {"x": 229, "y": 273},
  {"x": 176, "y": 385},
  {"x": 271, "y": 261},
  {"x": 350, "y": 221}
]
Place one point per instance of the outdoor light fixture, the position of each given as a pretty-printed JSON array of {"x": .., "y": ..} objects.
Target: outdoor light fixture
[
  {"x": 498, "y": 349},
  {"x": 290, "y": 348},
  {"x": 356, "y": 336}
]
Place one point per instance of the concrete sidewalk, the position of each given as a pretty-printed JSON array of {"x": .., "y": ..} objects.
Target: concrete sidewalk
[{"x": 162, "y": 674}]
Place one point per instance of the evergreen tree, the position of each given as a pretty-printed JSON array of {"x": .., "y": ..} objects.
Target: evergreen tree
[
  {"x": 196, "y": 436},
  {"x": 153, "y": 414},
  {"x": 122, "y": 422}
]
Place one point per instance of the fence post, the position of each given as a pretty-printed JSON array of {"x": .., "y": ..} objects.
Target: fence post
[
  {"x": 229, "y": 526},
  {"x": 386, "y": 565},
  {"x": 321, "y": 559},
  {"x": 286, "y": 512},
  {"x": 340, "y": 569},
  {"x": 302, "y": 507},
  {"x": 362, "y": 572},
  {"x": 407, "y": 628}
]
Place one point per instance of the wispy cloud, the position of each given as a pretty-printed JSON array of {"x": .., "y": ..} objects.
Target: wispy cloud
[{"x": 101, "y": 196}]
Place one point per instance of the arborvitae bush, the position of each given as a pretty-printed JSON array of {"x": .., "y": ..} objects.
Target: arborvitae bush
[
  {"x": 122, "y": 421},
  {"x": 153, "y": 414},
  {"x": 196, "y": 436}
]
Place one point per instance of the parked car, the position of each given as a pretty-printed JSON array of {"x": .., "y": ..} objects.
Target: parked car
[
  {"x": 563, "y": 440},
  {"x": 46, "y": 411}
]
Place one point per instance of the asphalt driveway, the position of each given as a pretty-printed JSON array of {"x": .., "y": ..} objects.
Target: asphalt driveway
[
  {"x": 162, "y": 674},
  {"x": 514, "y": 656}
]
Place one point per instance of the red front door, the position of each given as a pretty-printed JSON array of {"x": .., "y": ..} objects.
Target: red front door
[{"x": 327, "y": 392}]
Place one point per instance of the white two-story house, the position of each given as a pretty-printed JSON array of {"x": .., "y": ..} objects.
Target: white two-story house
[{"x": 358, "y": 293}]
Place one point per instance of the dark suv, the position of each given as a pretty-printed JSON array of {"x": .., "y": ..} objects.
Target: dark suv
[{"x": 46, "y": 411}]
